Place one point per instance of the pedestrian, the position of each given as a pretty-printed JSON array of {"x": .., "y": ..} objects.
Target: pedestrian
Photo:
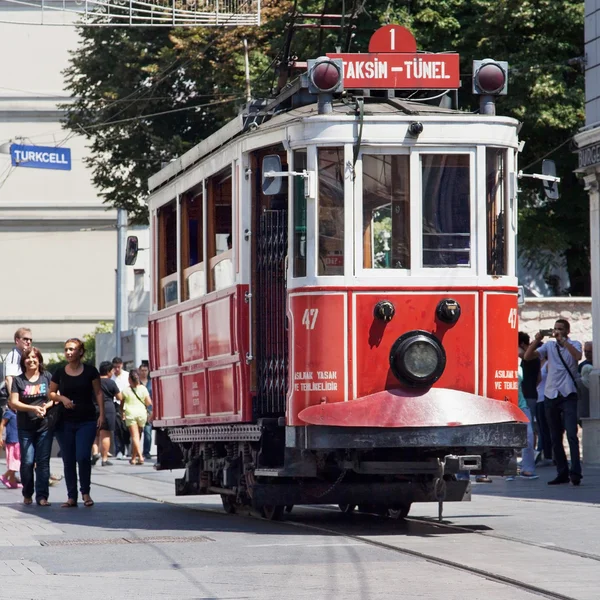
[
  {"x": 12, "y": 362},
  {"x": 145, "y": 380},
  {"x": 544, "y": 446},
  {"x": 121, "y": 377},
  {"x": 560, "y": 396},
  {"x": 531, "y": 373},
  {"x": 527, "y": 455},
  {"x": 135, "y": 413},
  {"x": 77, "y": 387},
  {"x": 110, "y": 393},
  {"x": 30, "y": 399},
  {"x": 9, "y": 440}
]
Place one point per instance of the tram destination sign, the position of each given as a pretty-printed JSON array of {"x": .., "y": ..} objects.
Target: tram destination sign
[
  {"x": 400, "y": 70},
  {"x": 393, "y": 62}
]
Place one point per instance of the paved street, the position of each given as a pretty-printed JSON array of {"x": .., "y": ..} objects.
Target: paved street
[{"x": 139, "y": 541}]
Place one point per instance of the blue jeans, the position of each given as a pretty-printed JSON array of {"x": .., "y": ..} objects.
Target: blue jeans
[
  {"x": 35, "y": 450},
  {"x": 76, "y": 440},
  {"x": 561, "y": 414}
]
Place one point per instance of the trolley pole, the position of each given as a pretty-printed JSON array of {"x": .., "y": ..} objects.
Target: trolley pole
[{"x": 121, "y": 314}]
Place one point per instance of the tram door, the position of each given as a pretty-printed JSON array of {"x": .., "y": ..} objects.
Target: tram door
[{"x": 269, "y": 297}]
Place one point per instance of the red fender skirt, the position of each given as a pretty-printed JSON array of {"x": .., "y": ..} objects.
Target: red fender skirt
[{"x": 401, "y": 408}]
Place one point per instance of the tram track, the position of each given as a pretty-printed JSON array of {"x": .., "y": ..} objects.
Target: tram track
[{"x": 400, "y": 550}]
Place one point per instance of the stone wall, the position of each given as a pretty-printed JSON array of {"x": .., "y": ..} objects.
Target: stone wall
[{"x": 540, "y": 313}]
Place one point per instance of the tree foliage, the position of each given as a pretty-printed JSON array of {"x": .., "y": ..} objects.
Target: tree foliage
[{"x": 120, "y": 76}]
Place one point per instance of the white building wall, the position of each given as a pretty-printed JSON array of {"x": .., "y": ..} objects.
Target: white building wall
[{"x": 58, "y": 241}]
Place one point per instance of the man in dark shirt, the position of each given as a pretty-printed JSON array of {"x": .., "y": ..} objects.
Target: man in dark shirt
[{"x": 531, "y": 372}]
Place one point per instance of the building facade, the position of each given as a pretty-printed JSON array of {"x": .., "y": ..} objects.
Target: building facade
[
  {"x": 588, "y": 144},
  {"x": 58, "y": 241}
]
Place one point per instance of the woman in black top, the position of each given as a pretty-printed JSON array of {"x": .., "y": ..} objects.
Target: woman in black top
[
  {"x": 29, "y": 397},
  {"x": 77, "y": 387}
]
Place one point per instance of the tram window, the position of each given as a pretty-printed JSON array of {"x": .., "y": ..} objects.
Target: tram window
[
  {"x": 446, "y": 210},
  {"x": 331, "y": 211},
  {"x": 386, "y": 211},
  {"x": 219, "y": 240},
  {"x": 299, "y": 216},
  {"x": 192, "y": 250},
  {"x": 167, "y": 253},
  {"x": 495, "y": 194}
]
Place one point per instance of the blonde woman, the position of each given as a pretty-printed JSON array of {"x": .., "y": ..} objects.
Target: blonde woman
[{"x": 134, "y": 411}]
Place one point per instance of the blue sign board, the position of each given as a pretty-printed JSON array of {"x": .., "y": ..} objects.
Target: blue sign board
[{"x": 40, "y": 157}]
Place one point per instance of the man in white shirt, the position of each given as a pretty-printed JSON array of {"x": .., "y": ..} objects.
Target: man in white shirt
[
  {"x": 12, "y": 362},
  {"x": 121, "y": 377},
  {"x": 560, "y": 394}
]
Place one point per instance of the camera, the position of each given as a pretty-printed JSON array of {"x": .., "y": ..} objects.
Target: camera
[
  {"x": 547, "y": 331},
  {"x": 415, "y": 128}
]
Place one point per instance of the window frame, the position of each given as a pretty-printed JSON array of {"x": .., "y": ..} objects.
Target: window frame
[{"x": 416, "y": 214}]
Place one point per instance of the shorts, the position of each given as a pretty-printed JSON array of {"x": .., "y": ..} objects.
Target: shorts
[
  {"x": 13, "y": 456},
  {"x": 141, "y": 421},
  {"x": 110, "y": 417}
]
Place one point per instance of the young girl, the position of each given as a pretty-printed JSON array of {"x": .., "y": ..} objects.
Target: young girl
[
  {"x": 13, "y": 450},
  {"x": 134, "y": 410}
]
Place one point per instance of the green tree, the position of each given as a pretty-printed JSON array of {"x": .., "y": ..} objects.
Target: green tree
[{"x": 120, "y": 76}]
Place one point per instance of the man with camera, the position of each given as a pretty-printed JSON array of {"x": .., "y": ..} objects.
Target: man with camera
[{"x": 560, "y": 401}]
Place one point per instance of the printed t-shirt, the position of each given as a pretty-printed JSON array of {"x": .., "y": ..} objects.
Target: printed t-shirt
[
  {"x": 12, "y": 435},
  {"x": 34, "y": 393},
  {"x": 133, "y": 406},
  {"x": 80, "y": 391}
]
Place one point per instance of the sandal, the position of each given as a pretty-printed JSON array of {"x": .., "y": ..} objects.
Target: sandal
[
  {"x": 43, "y": 502},
  {"x": 70, "y": 503},
  {"x": 88, "y": 502},
  {"x": 27, "y": 501}
]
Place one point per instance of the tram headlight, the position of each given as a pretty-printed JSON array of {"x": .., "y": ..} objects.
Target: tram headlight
[{"x": 417, "y": 358}]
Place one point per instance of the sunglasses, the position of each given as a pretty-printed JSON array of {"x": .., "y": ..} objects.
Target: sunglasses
[{"x": 27, "y": 339}]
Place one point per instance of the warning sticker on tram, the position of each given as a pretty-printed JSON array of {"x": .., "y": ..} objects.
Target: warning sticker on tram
[{"x": 400, "y": 70}]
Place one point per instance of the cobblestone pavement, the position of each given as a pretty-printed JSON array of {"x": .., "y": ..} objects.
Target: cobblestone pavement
[{"x": 140, "y": 541}]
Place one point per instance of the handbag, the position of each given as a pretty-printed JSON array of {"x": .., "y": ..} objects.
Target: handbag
[{"x": 54, "y": 415}]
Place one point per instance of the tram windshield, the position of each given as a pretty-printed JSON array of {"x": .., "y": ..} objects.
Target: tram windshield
[
  {"x": 386, "y": 212},
  {"x": 446, "y": 210}
]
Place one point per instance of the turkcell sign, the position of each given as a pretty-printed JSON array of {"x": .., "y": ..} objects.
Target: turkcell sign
[
  {"x": 400, "y": 70},
  {"x": 40, "y": 157}
]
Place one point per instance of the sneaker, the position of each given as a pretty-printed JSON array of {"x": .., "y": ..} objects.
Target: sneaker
[
  {"x": 95, "y": 458},
  {"x": 529, "y": 476},
  {"x": 120, "y": 456},
  {"x": 510, "y": 478},
  {"x": 148, "y": 456},
  {"x": 106, "y": 463},
  {"x": 483, "y": 479}
]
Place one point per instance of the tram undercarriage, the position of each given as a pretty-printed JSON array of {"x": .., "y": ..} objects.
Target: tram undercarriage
[{"x": 270, "y": 466}]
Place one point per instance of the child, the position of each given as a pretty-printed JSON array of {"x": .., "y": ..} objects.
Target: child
[{"x": 13, "y": 450}]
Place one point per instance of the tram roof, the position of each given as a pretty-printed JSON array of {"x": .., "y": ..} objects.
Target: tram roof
[{"x": 248, "y": 120}]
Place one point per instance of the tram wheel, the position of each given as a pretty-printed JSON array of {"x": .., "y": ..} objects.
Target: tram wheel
[
  {"x": 228, "y": 503},
  {"x": 399, "y": 511},
  {"x": 347, "y": 509},
  {"x": 272, "y": 512}
]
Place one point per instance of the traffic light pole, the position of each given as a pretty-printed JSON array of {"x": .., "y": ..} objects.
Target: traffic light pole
[{"x": 121, "y": 313}]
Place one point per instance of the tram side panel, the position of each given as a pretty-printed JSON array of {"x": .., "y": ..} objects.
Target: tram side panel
[
  {"x": 499, "y": 339},
  {"x": 200, "y": 365}
]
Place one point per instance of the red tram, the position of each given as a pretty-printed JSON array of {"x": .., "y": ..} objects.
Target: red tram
[{"x": 335, "y": 302}]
